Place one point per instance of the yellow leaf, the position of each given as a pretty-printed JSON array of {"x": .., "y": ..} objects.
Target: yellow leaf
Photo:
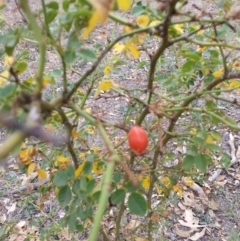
[
  {"x": 46, "y": 81},
  {"x": 124, "y": 4},
  {"x": 178, "y": 189},
  {"x": 154, "y": 23},
  {"x": 166, "y": 182},
  {"x": 26, "y": 155},
  {"x": 79, "y": 170},
  {"x": 95, "y": 149},
  {"x": 88, "y": 110},
  {"x": 127, "y": 29},
  {"x": 145, "y": 182},
  {"x": 8, "y": 60},
  {"x": 41, "y": 173},
  {"x": 107, "y": 69},
  {"x": 102, "y": 7},
  {"x": 90, "y": 129},
  {"x": 201, "y": 48},
  {"x": 3, "y": 77},
  {"x": 74, "y": 134},
  {"x": 235, "y": 84},
  {"x": 62, "y": 159},
  {"x": 227, "y": 5},
  {"x": 82, "y": 155},
  {"x": 91, "y": 25},
  {"x": 31, "y": 168},
  {"x": 158, "y": 189},
  {"x": 134, "y": 51},
  {"x": 179, "y": 28},
  {"x": 188, "y": 181},
  {"x": 218, "y": 74},
  {"x": 97, "y": 167},
  {"x": 193, "y": 131},
  {"x": 118, "y": 48},
  {"x": 104, "y": 85},
  {"x": 209, "y": 139},
  {"x": 142, "y": 20}
]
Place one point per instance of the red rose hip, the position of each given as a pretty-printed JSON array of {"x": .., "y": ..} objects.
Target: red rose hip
[{"x": 137, "y": 139}]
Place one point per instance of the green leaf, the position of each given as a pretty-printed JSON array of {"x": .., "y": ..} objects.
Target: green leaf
[
  {"x": 90, "y": 186},
  {"x": 72, "y": 222},
  {"x": 137, "y": 204},
  {"x": 201, "y": 161},
  {"x": 51, "y": 15},
  {"x": 87, "y": 168},
  {"x": 79, "y": 227},
  {"x": 70, "y": 172},
  {"x": 213, "y": 147},
  {"x": 188, "y": 162},
  {"x": 60, "y": 179},
  {"x": 2, "y": 230},
  {"x": 117, "y": 177},
  {"x": 11, "y": 42},
  {"x": 83, "y": 183},
  {"x": 197, "y": 140},
  {"x": 87, "y": 54},
  {"x": 118, "y": 196},
  {"x": 76, "y": 186},
  {"x": 52, "y": 5},
  {"x": 65, "y": 5},
  {"x": 188, "y": 66},
  {"x": 56, "y": 73},
  {"x": 192, "y": 56},
  {"x": 81, "y": 214},
  {"x": 7, "y": 91},
  {"x": 66, "y": 19},
  {"x": 141, "y": 64},
  {"x": 69, "y": 56},
  {"x": 96, "y": 196},
  {"x": 137, "y": 10},
  {"x": 64, "y": 196},
  {"x": 225, "y": 161},
  {"x": 20, "y": 67},
  {"x": 193, "y": 151}
]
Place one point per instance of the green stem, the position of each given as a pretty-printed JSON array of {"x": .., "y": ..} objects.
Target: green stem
[
  {"x": 42, "y": 45},
  {"x": 10, "y": 143}
]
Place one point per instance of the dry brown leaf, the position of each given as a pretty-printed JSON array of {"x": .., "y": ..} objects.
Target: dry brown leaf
[
  {"x": 211, "y": 213},
  {"x": 3, "y": 218},
  {"x": 189, "y": 225},
  {"x": 189, "y": 199},
  {"x": 140, "y": 239},
  {"x": 132, "y": 224},
  {"x": 198, "y": 235},
  {"x": 21, "y": 224},
  {"x": 183, "y": 233},
  {"x": 11, "y": 208},
  {"x": 29, "y": 188},
  {"x": 181, "y": 206},
  {"x": 65, "y": 234},
  {"x": 213, "y": 204}
]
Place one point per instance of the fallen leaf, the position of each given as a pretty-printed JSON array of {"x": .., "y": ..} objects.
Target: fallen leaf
[
  {"x": 132, "y": 224},
  {"x": 198, "y": 235},
  {"x": 41, "y": 173},
  {"x": 183, "y": 233},
  {"x": 3, "y": 218},
  {"x": 11, "y": 208},
  {"x": 21, "y": 224}
]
